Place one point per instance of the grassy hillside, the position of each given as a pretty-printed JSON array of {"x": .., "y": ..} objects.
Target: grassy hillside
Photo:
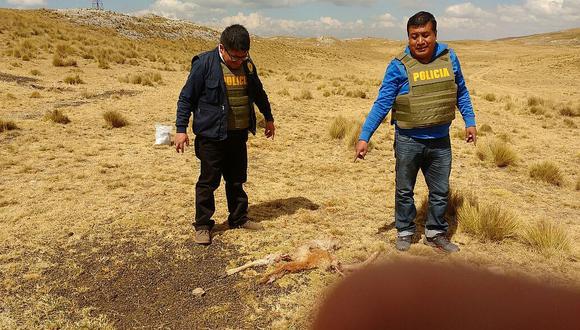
[{"x": 95, "y": 221}]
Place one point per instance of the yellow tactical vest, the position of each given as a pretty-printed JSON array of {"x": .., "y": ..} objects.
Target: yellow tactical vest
[
  {"x": 237, "y": 90},
  {"x": 432, "y": 93}
]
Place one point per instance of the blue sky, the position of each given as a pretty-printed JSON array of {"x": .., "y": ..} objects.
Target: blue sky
[{"x": 485, "y": 19}]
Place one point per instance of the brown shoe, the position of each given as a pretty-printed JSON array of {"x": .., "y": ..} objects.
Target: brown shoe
[
  {"x": 203, "y": 237},
  {"x": 251, "y": 225}
]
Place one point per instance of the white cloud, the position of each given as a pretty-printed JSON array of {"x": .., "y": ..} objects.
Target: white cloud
[
  {"x": 466, "y": 10},
  {"x": 27, "y": 3},
  {"x": 385, "y": 20},
  {"x": 259, "y": 24}
]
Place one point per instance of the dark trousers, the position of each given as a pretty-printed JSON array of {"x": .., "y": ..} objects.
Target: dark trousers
[
  {"x": 230, "y": 159},
  {"x": 433, "y": 158}
]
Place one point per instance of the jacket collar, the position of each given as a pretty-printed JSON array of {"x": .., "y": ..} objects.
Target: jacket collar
[{"x": 439, "y": 49}]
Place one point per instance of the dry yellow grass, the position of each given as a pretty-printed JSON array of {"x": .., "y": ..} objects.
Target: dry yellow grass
[
  {"x": 73, "y": 80},
  {"x": 338, "y": 127},
  {"x": 7, "y": 125},
  {"x": 115, "y": 119},
  {"x": 488, "y": 222},
  {"x": 547, "y": 238},
  {"x": 88, "y": 213},
  {"x": 548, "y": 172},
  {"x": 57, "y": 116}
]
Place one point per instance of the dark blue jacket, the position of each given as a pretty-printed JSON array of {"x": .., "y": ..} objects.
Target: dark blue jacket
[{"x": 205, "y": 95}]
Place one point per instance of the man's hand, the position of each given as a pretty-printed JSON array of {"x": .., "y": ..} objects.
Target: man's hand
[
  {"x": 181, "y": 140},
  {"x": 361, "y": 148},
  {"x": 270, "y": 129},
  {"x": 471, "y": 135}
]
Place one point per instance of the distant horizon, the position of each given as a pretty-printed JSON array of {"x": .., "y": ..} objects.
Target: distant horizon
[{"x": 476, "y": 20}]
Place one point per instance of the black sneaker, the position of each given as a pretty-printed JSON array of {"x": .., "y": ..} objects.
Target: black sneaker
[
  {"x": 404, "y": 242},
  {"x": 442, "y": 243}
]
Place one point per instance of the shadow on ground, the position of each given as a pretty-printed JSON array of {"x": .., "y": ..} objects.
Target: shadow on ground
[{"x": 279, "y": 207}]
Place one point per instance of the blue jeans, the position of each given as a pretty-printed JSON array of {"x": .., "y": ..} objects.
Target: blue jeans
[{"x": 433, "y": 157}]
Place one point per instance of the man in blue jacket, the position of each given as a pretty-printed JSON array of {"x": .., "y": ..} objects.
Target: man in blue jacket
[
  {"x": 221, "y": 91},
  {"x": 422, "y": 86}
]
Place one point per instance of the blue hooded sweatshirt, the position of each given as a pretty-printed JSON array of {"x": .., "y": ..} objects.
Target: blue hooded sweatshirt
[{"x": 396, "y": 83}]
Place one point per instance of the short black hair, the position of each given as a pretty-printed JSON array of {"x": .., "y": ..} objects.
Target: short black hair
[
  {"x": 236, "y": 37},
  {"x": 421, "y": 19}
]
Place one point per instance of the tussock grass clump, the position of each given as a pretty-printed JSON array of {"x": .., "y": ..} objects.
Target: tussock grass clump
[
  {"x": 489, "y": 97},
  {"x": 61, "y": 61},
  {"x": 568, "y": 111},
  {"x": 538, "y": 110},
  {"x": 57, "y": 116},
  {"x": 114, "y": 119},
  {"x": 103, "y": 63},
  {"x": 501, "y": 153},
  {"x": 338, "y": 127},
  {"x": 74, "y": 80},
  {"x": 535, "y": 100},
  {"x": 456, "y": 200},
  {"x": 7, "y": 125},
  {"x": 548, "y": 172},
  {"x": 570, "y": 123},
  {"x": 304, "y": 95},
  {"x": 485, "y": 128},
  {"x": 35, "y": 95},
  {"x": 291, "y": 78},
  {"x": 35, "y": 72},
  {"x": 145, "y": 79},
  {"x": 487, "y": 222},
  {"x": 326, "y": 94},
  {"x": 356, "y": 94},
  {"x": 353, "y": 134},
  {"x": 547, "y": 238},
  {"x": 284, "y": 92},
  {"x": 578, "y": 184}
]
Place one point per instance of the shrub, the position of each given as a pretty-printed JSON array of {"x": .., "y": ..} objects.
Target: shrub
[
  {"x": 35, "y": 95},
  {"x": 7, "y": 125},
  {"x": 487, "y": 222},
  {"x": 547, "y": 238},
  {"x": 338, "y": 127},
  {"x": 57, "y": 116},
  {"x": 489, "y": 97},
  {"x": 534, "y": 100},
  {"x": 114, "y": 119},
  {"x": 548, "y": 172},
  {"x": 74, "y": 80}
]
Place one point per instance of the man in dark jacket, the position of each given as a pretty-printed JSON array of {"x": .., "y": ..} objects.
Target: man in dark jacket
[{"x": 221, "y": 91}]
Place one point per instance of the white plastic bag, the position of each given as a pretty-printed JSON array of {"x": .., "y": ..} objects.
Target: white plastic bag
[{"x": 162, "y": 134}]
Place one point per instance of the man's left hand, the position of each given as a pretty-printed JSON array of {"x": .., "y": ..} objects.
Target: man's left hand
[
  {"x": 270, "y": 130},
  {"x": 471, "y": 135}
]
